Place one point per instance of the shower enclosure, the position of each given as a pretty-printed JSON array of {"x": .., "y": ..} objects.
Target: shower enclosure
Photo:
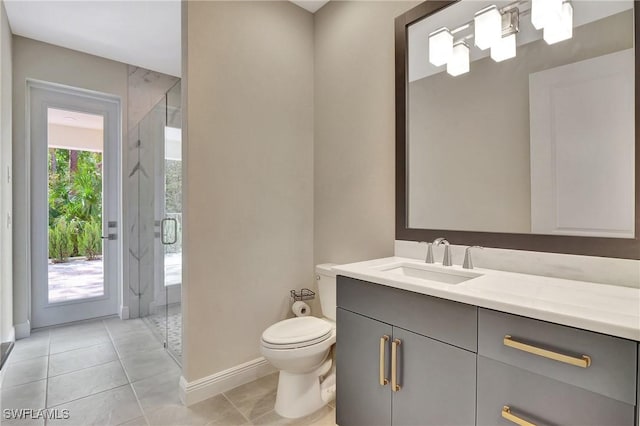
[{"x": 155, "y": 267}]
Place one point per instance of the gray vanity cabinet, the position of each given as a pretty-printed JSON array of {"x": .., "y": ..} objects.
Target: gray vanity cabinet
[
  {"x": 436, "y": 379},
  {"x": 363, "y": 401}
]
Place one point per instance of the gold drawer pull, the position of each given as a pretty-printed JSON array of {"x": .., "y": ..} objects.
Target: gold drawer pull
[
  {"x": 583, "y": 362},
  {"x": 383, "y": 343},
  {"x": 508, "y": 415},
  {"x": 394, "y": 365}
]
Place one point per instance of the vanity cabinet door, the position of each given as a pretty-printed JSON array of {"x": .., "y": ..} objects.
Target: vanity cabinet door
[
  {"x": 360, "y": 399},
  {"x": 541, "y": 400},
  {"x": 437, "y": 380}
]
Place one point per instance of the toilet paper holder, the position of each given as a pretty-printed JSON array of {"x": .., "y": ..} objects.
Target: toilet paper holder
[{"x": 304, "y": 294}]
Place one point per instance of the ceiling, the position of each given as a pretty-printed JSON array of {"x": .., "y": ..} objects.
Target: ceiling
[
  {"x": 145, "y": 33},
  {"x": 74, "y": 119},
  {"x": 310, "y": 5}
]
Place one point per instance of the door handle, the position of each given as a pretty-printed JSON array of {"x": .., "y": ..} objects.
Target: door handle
[
  {"x": 163, "y": 234},
  {"x": 383, "y": 346},
  {"x": 394, "y": 365},
  {"x": 507, "y": 414},
  {"x": 110, "y": 237}
]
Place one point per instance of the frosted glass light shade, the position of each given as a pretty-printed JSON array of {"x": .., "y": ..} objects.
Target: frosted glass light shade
[
  {"x": 504, "y": 49},
  {"x": 488, "y": 27},
  {"x": 542, "y": 11},
  {"x": 560, "y": 27},
  {"x": 440, "y": 46},
  {"x": 459, "y": 62}
]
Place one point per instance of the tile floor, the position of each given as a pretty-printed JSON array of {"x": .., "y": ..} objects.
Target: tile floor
[{"x": 113, "y": 372}]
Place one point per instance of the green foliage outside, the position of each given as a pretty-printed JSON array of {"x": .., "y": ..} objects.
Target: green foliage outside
[
  {"x": 75, "y": 200},
  {"x": 90, "y": 242},
  {"x": 173, "y": 200},
  {"x": 60, "y": 241}
]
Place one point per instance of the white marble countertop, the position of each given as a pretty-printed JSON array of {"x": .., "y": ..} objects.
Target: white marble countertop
[{"x": 602, "y": 308}]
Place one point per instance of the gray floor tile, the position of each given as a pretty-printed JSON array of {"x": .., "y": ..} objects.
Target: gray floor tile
[
  {"x": 34, "y": 346},
  {"x": 213, "y": 411},
  {"x": 78, "y": 359},
  {"x": 149, "y": 363},
  {"x": 78, "y": 327},
  {"x": 136, "y": 343},
  {"x": 121, "y": 328},
  {"x": 29, "y": 395},
  {"x": 112, "y": 407},
  {"x": 68, "y": 341},
  {"x": 139, "y": 421},
  {"x": 79, "y": 384},
  {"x": 256, "y": 398},
  {"x": 157, "y": 391},
  {"x": 323, "y": 417},
  {"x": 26, "y": 371}
]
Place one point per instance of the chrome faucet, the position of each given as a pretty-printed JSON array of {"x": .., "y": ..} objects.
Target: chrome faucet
[
  {"x": 429, "y": 257},
  {"x": 446, "y": 260},
  {"x": 468, "y": 264}
]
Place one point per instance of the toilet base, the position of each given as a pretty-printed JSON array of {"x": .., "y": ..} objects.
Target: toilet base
[{"x": 302, "y": 394}]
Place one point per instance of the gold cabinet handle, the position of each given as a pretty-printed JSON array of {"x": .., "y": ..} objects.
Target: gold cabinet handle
[
  {"x": 383, "y": 344},
  {"x": 583, "y": 362},
  {"x": 508, "y": 415},
  {"x": 394, "y": 365}
]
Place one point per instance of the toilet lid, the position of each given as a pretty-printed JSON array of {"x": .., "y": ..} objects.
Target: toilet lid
[{"x": 297, "y": 330}]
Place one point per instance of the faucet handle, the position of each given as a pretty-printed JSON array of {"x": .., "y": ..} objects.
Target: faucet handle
[
  {"x": 429, "y": 257},
  {"x": 468, "y": 263}
]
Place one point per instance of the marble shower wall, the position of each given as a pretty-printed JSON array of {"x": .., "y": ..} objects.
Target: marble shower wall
[{"x": 145, "y": 123}]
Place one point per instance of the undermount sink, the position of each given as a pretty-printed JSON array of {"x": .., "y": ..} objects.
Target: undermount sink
[{"x": 430, "y": 273}]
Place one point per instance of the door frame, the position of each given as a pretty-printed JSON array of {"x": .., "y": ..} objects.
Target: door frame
[{"x": 51, "y": 95}]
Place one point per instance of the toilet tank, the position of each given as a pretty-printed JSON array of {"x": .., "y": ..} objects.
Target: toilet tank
[{"x": 326, "y": 278}]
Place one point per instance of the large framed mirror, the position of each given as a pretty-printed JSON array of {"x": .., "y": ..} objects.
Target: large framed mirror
[{"x": 530, "y": 144}]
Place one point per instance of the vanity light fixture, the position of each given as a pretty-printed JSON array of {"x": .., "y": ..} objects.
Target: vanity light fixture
[
  {"x": 496, "y": 29},
  {"x": 505, "y": 47},
  {"x": 542, "y": 11},
  {"x": 488, "y": 27},
  {"x": 459, "y": 62},
  {"x": 440, "y": 46},
  {"x": 559, "y": 27}
]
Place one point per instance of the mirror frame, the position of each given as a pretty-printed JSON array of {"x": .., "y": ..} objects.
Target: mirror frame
[{"x": 623, "y": 248}]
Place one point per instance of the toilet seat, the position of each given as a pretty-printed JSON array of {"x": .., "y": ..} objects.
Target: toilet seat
[{"x": 296, "y": 332}]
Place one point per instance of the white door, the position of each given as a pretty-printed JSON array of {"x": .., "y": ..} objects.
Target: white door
[{"x": 74, "y": 141}]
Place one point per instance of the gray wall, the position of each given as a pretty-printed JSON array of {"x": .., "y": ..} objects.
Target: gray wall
[
  {"x": 248, "y": 207},
  {"x": 45, "y": 62},
  {"x": 354, "y": 146},
  {"x": 6, "y": 284}
]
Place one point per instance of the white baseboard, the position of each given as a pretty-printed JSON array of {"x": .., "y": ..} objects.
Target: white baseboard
[
  {"x": 206, "y": 387},
  {"x": 124, "y": 312},
  {"x": 12, "y": 335},
  {"x": 22, "y": 330}
]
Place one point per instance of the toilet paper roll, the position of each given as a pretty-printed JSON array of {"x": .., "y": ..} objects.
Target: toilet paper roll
[{"x": 301, "y": 309}]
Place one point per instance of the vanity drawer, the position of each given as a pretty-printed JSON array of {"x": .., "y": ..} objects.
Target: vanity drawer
[
  {"x": 542, "y": 400},
  {"x": 451, "y": 322},
  {"x": 612, "y": 369}
]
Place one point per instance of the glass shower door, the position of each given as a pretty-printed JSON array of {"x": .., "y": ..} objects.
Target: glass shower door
[{"x": 171, "y": 222}]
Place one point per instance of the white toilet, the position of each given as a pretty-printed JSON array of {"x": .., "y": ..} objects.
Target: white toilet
[{"x": 300, "y": 348}]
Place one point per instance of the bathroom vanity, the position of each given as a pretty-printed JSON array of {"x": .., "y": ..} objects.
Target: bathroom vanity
[
  {"x": 456, "y": 354},
  {"x": 534, "y": 150}
]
